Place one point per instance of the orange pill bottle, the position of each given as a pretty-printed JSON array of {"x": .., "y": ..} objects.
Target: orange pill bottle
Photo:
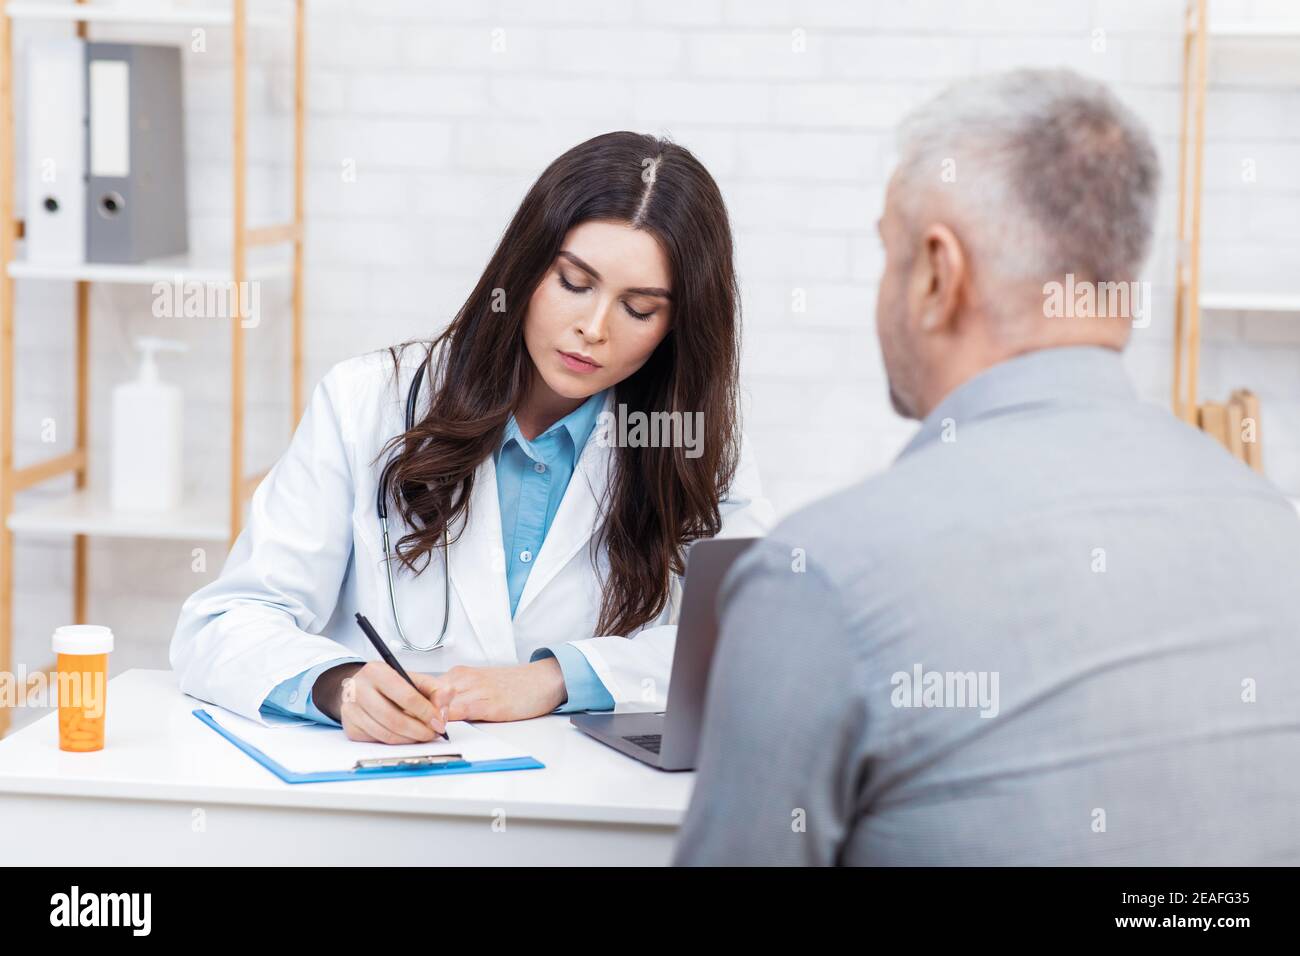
[{"x": 82, "y": 676}]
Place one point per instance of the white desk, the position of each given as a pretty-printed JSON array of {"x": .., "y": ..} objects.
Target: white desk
[{"x": 168, "y": 790}]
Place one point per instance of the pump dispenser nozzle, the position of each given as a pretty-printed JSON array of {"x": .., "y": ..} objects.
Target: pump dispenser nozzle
[{"x": 149, "y": 346}]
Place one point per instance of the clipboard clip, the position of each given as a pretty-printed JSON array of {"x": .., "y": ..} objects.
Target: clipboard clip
[{"x": 426, "y": 760}]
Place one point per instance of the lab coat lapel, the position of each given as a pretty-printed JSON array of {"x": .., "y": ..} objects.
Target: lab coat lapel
[
  {"x": 579, "y": 516},
  {"x": 478, "y": 567}
]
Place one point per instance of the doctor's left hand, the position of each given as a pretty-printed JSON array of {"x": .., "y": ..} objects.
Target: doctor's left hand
[{"x": 515, "y": 692}]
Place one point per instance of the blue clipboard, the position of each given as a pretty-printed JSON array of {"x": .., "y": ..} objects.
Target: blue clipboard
[{"x": 326, "y": 776}]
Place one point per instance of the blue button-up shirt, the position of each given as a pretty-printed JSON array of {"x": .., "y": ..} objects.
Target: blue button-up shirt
[{"x": 532, "y": 477}]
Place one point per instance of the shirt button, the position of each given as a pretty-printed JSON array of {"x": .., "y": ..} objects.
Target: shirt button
[
  {"x": 293, "y": 697},
  {"x": 525, "y": 556},
  {"x": 539, "y": 468}
]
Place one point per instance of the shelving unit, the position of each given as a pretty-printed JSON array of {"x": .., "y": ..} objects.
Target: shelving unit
[
  {"x": 150, "y": 271},
  {"x": 85, "y": 513},
  {"x": 1249, "y": 302},
  {"x": 1189, "y": 299},
  {"x": 142, "y": 11},
  {"x": 257, "y": 254}
]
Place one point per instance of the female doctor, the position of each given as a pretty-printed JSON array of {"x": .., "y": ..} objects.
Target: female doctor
[{"x": 536, "y": 546}]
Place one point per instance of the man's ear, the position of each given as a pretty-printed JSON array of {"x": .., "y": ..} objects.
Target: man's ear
[{"x": 938, "y": 276}]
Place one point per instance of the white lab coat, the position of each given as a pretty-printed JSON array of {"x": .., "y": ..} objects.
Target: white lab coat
[{"x": 311, "y": 556}]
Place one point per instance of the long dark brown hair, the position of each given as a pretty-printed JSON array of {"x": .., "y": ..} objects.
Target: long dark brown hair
[{"x": 657, "y": 499}]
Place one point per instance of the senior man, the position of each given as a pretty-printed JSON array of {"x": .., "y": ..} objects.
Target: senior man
[{"x": 1064, "y": 627}]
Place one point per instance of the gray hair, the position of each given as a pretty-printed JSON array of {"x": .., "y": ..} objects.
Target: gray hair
[{"x": 1049, "y": 173}]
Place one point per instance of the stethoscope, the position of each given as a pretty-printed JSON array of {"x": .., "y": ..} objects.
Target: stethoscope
[{"x": 381, "y": 506}]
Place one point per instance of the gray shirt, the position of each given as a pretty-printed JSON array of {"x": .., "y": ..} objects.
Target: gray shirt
[{"x": 1063, "y": 628}]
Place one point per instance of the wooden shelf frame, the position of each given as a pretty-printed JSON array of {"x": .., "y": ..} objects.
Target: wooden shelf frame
[
  {"x": 241, "y": 485},
  {"x": 1191, "y": 171},
  {"x": 1189, "y": 300}
]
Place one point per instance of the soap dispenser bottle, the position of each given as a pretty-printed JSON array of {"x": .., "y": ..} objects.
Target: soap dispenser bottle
[{"x": 147, "y": 436}]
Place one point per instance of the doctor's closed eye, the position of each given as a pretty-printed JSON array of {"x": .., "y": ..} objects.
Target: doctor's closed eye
[{"x": 580, "y": 281}]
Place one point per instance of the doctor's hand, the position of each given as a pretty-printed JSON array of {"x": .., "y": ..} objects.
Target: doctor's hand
[
  {"x": 375, "y": 705},
  {"x": 500, "y": 693}
]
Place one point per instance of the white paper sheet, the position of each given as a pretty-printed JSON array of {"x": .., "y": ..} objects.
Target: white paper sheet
[{"x": 312, "y": 748}]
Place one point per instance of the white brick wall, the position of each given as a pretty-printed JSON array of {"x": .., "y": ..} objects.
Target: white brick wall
[{"x": 450, "y": 108}]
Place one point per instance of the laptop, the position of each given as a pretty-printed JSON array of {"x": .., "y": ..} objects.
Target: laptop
[{"x": 669, "y": 740}]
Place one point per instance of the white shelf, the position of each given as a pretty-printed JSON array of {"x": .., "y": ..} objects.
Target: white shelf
[
  {"x": 88, "y": 512},
  {"x": 1255, "y": 29},
  {"x": 1251, "y": 301},
  {"x": 155, "y": 270},
  {"x": 150, "y": 11}
]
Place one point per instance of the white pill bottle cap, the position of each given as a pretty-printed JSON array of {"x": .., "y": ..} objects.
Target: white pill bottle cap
[{"x": 83, "y": 639}]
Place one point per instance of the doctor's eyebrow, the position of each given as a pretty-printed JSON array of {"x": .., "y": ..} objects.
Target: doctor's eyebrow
[{"x": 661, "y": 293}]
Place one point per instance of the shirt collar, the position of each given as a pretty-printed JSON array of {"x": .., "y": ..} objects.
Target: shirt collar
[
  {"x": 1075, "y": 373},
  {"x": 579, "y": 423}
]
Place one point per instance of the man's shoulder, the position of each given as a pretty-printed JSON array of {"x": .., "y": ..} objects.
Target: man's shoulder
[
  {"x": 1029, "y": 467},
  {"x": 850, "y": 530}
]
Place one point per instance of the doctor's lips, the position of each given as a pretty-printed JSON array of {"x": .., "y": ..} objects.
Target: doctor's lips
[{"x": 576, "y": 362}]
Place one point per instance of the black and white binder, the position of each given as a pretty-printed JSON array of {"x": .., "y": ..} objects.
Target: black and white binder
[
  {"x": 135, "y": 155},
  {"x": 56, "y": 152}
]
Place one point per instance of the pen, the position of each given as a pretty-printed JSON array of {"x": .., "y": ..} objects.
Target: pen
[{"x": 386, "y": 654}]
